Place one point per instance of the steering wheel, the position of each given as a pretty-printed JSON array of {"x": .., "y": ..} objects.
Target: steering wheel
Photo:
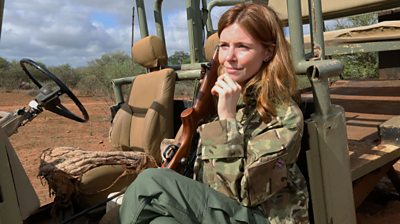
[{"x": 49, "y": 98}]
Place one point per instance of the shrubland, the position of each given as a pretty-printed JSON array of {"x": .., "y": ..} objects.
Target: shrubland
[{"x": 94, "y": 79}]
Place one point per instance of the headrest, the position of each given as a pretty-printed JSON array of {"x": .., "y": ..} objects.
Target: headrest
[
  {"x": 150, "y": 52},
  {"x": 210, "y": 46}
]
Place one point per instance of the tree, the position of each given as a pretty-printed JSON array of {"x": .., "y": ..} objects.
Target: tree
[
  {"x": 358, "y": 65},
  {"x": 11, "y": 74},
  {"x": 4, "y": 64},
  {"x": 356, "y": 21},
  {"x": 117, "y": 57},
  {"x": 96, "y": 77},
  {"x": 178, "y": 58},
  {"x": 66, "y": 74}
]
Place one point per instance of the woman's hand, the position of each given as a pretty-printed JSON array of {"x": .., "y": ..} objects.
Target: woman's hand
[{"x": 228, "y": 92}]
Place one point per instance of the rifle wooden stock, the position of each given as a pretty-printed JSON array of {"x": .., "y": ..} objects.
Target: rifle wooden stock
[{"x": 203, "y": 107}]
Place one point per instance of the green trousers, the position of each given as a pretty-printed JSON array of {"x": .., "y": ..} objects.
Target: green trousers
[{"x": 164, "y": 196}]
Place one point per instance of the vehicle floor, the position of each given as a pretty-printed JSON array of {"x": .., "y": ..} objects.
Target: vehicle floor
[{"x": 44, "y": 216}]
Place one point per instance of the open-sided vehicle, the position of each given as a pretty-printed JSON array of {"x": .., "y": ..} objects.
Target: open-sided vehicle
[{"x": 342, "y": 163}]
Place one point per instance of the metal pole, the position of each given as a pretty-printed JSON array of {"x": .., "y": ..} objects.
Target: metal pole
[
  {"x": 133, "y": 26},
  {"x": 195, "y": 31},
  {"x": 158, "y": 20},
  {"x": 141, "y": 11},
  {"x": 317, "y": 28},
  {"x": 1, "y": 14},
  {"x": 212, "y": 4},
  {"x": 296, "y": 30}
]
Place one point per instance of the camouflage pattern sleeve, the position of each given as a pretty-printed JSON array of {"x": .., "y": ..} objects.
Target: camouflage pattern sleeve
[{"x": 234, "y": 152}]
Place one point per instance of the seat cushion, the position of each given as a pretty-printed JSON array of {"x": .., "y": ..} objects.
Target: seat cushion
[
  {"x": 87, "y": 177},
  {"x": 97, "y": 183}
]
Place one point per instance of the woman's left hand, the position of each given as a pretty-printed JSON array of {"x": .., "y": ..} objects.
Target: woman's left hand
[{"x": 228, "y": 92}]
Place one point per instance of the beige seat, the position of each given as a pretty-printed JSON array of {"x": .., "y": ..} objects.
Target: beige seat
[
  {"x": 147, "y": 116},
  {"x": 139, "y": 125},
  {"x": 210, "y": 45}
]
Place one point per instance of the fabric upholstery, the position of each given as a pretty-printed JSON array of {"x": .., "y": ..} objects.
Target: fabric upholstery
[
  {"x": 119, "y": 132},
  {"x": 95, "y": 181},
  {"x": 147, "y": 118}
]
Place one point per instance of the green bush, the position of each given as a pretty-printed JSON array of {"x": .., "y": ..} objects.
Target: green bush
[
  {"x": 358, "y": 65},
  {"x": 91, "y": 85},
  {"x": 93, "y": 79},
  {"x": 11, "y": 76},
  {"x": 178, "y": 58},
  {"x": 66, "y": 74},
  {"x": 96, "y": 77}
]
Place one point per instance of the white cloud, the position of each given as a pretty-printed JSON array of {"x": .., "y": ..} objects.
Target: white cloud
[
  {"x": 68, "y": 31},
  {"x": 59, "y": 32}
]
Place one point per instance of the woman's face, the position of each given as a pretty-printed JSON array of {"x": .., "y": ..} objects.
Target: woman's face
[{"x": 240, "y": 55}]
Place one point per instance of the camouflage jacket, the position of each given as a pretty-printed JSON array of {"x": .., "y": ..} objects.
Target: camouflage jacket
[{"x": 252, "y": 161}]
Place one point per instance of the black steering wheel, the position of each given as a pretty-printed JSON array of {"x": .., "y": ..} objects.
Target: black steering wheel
[{"x": 49, "y": 98}]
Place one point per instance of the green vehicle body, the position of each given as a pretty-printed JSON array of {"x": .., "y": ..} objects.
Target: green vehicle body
[{"x": 326, "y": 157}]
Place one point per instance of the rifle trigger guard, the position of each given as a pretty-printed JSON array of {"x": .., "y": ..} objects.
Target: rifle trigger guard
[
  {"x": 169, "y": 152},
  {"x": 204, "y": 69},
  {"x": 206, "y": 66}
]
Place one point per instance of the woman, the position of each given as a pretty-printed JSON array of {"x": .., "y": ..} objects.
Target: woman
[{"x": 246, "y": 157}]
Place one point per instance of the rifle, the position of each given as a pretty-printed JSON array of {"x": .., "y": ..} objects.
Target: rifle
[{"x": 203, "y": 107}]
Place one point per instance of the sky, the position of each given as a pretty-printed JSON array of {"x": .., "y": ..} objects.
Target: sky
[{"x": 75, "y": 32}]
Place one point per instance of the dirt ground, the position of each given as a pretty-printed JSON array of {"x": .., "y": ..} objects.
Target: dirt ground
[{"x": 50, "y": 130}]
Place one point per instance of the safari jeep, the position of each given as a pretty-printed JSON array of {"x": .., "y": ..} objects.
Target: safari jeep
[{"x": 351, "y": 138}]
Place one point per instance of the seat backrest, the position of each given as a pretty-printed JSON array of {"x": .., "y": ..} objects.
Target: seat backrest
[{"x": 147, "y": 117}]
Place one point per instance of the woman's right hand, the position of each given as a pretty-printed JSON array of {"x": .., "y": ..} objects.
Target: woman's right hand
[{"x": 228, "y": 92}]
